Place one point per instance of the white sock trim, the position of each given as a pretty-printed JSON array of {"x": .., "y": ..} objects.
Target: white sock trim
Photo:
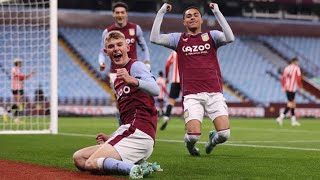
[
  {"x": 100, "y": 163},
  {"x": 221, "y": 136}
]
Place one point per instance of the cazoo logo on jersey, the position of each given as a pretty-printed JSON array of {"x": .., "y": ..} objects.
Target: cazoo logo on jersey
[
  {"x": 125, "y": 89},
  {"x": 196, "y": 49}
]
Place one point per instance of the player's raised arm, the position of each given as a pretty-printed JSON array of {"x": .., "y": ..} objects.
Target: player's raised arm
[
  {"x": 142, "y": 43},
  {"x": 102, "y": 56},
  {"x": 156, "y": 37},
  {"x": 228, "y": 34}
]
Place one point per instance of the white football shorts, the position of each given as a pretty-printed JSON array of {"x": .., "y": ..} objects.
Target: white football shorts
[
  {"x": 132, "y": 146},
  {"x": 196, "y": 105}
]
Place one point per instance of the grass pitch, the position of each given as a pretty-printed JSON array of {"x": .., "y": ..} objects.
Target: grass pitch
[{"x": 257, "y": 149}]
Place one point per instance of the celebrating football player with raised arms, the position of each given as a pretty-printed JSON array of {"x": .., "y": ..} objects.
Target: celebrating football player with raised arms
[{"x": 200, "y": 76}]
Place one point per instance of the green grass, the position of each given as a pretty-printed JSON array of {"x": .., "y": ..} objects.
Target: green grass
[{"x": 257, "y": 149}]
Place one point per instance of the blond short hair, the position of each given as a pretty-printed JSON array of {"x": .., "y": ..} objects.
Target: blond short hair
[{"x": 114, "y": 35}]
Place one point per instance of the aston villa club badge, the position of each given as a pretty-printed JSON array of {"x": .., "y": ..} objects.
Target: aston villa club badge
[
  {"x": 186, "y": 113},
  {"x": 131, "y": 32},
  {"x": 205, "y": 37}
]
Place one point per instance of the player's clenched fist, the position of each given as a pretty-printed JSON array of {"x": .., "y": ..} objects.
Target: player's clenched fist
[
  {"x": 214, "y": 7},
  {"x": 166, "y": 8},
  {"x": 123, "y": 74},
  {"x": 102, "y": 66},
  {"x": 101, "y": 138}
]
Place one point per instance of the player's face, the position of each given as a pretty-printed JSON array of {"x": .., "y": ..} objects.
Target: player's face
[
  {"x": 192, "y": 19},
  {"x": 117, "y": 50},
  {"x": 120, "y": 15}
]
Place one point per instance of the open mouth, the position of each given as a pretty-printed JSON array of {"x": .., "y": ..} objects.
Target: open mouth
[{"x": 117, "y": 55}]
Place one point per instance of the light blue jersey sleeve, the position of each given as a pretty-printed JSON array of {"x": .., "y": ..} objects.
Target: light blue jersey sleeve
[
  {"x": 174, "y": 40},
  {"x": 147, "y": 82},
  {"x": 218, "y": 37},
  {"x": 102, "y": 56},
  {"x": 142, "y": 43}
]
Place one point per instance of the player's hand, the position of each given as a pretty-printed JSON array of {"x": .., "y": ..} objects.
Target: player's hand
[
  {"x": 124, "y": 75},
  {"x": 214, "y": 7},
  {"x": 167, "y": 80},
  {"x": 166, "y": 8},
  {"x": 31, "y": 74},
  {"x": 102, "y": 66},
  {"x": 101, "y": 138}
]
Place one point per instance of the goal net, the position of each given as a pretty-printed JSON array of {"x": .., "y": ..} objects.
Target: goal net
[{"x": 28, "y": 66}]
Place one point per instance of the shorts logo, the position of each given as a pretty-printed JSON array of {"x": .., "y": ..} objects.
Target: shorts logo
[
  {"x": 186, "y": 113},
  {"x": 205, "y": 37},
  {"x": 131, "y": 32}
]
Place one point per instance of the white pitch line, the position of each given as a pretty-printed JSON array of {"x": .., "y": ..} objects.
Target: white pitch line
[
  {"x": 243, "y": 142},
  {"x": 75, "y": 134},
  {"x": 278, "y": 130},
  {"x": 247, "y": 145},
  {"x": 231, "y": 143},
  {"x": 272, "y": 147}
]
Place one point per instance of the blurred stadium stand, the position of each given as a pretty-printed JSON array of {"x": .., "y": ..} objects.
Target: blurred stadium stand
[
  {"x": 268, "y": 34},
  {"x": 76, "y": 86},
  {"x": 252, "y": 72},
  {"x": 256, "y": 59},
  {"x": 87, "y": 43},
  {"x": 277, "y": 9}
]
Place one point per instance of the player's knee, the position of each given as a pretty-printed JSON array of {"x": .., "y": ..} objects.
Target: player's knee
[
  {"x": 78, "y": 161},
  {"x": 291, "y": 104},
  {"x": 193, "y": 126},
  {"x": 223, "y": 135},
  {"x": 77, "y": 156}
]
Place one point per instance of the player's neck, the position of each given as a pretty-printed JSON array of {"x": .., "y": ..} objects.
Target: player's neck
[
  {"x": 126, "y": 62},
  {"x": 194, "y": 31},
  {"x": 121, "y": 25}
]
